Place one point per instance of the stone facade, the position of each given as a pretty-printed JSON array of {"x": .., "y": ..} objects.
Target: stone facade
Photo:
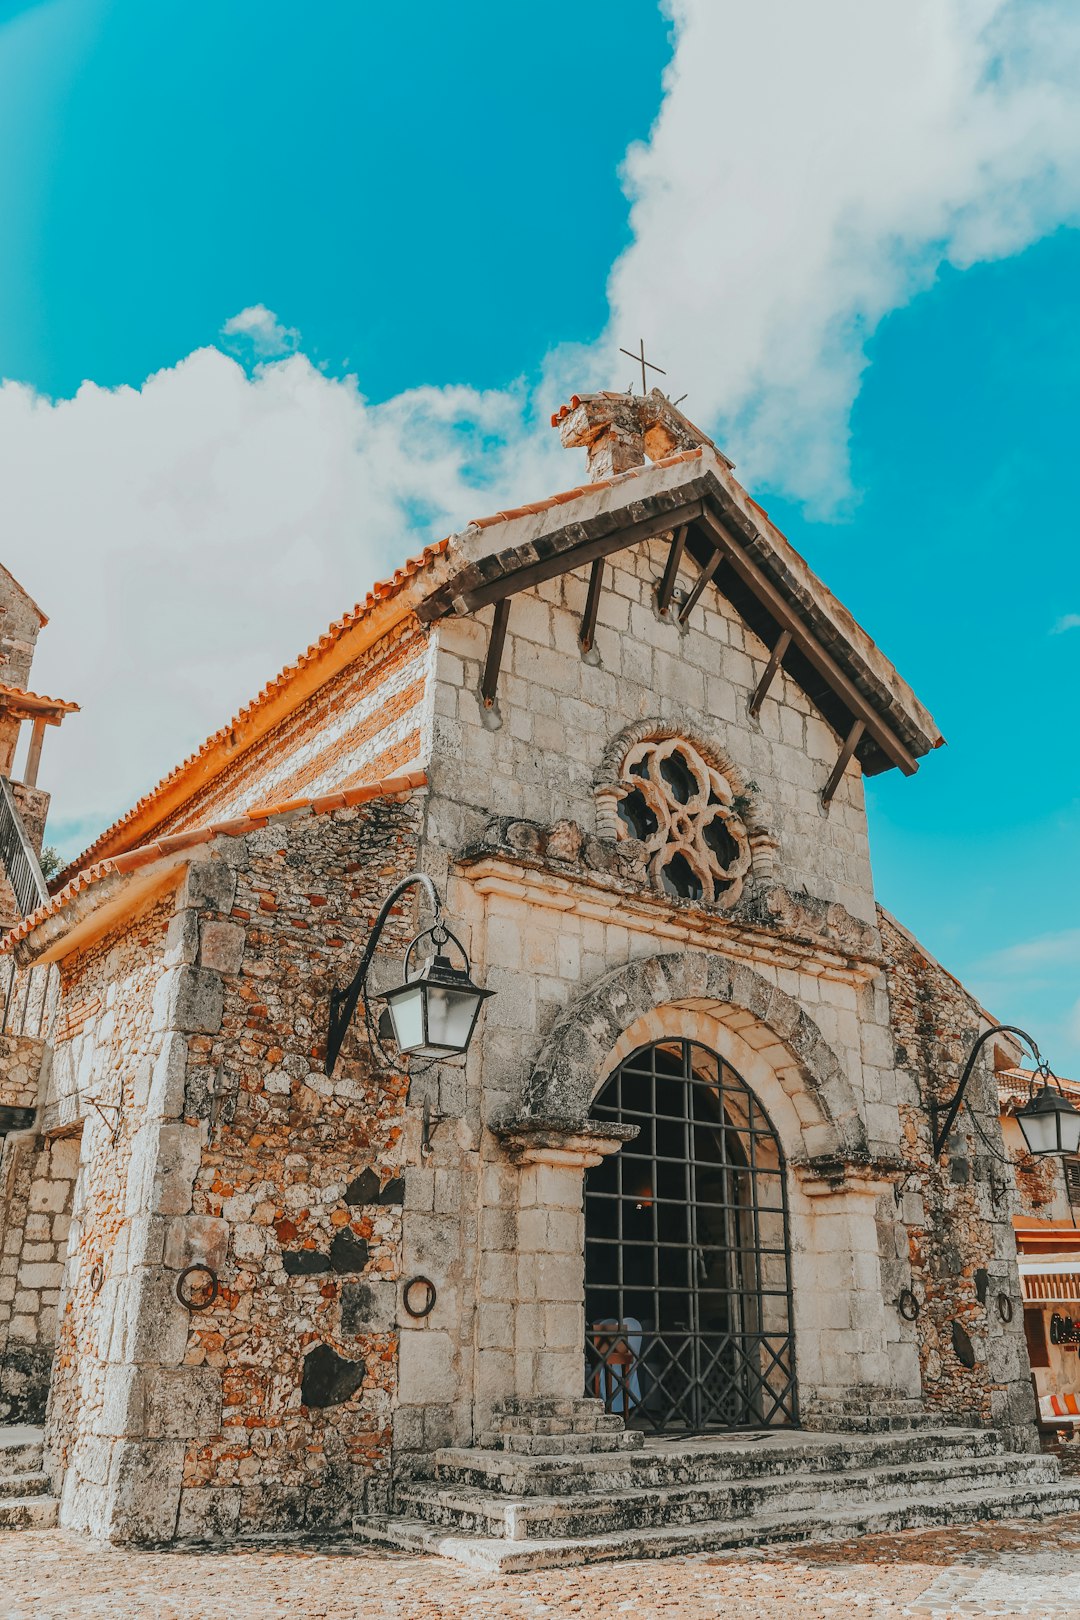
[{"x": 183, "y": 1053}]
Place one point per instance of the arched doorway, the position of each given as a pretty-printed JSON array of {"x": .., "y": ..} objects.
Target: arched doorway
[{"x": 687, "y": 1261}]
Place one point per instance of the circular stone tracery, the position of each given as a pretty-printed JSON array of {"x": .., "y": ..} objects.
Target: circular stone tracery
[{"x": 683, "y": 811}]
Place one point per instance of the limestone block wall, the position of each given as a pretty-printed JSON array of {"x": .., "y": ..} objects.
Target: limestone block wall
[
  {"x": 109, "y": 1041},
  {"x": 959, "y": 1254},
  {"x": 557, "y": 711},
  {"x": 369, "y": 722}
]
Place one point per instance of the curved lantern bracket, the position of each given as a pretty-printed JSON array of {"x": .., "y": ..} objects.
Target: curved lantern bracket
[
  {"x": 434, "y": 1010},
  {"x": 1049, "y": 1122}
]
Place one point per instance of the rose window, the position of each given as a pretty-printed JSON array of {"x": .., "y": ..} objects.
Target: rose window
[{"x": 684, "y": 812}]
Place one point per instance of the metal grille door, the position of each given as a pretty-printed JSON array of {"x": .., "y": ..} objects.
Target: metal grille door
[{"x": 687, "y": 1265}]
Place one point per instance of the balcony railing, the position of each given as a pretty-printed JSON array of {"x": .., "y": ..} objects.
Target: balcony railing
[
  {"x": 17, "y": 855},
  {"x": 28, "y": 994}
]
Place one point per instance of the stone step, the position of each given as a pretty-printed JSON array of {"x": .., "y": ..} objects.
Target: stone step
[
  {"x": 570, "y": 1445},
  {"x": 488, "y": 1514},
  {"x": 29, "y": 1513},
  {"x": 31, "y": 1483},
  {"x": 497, "y": 1555},
  {"x": 544, "y": 1406},
  {"x": 581, "y": 1423},
  {"x": 688, "y": 1462},
  {"x": 21, "y": 1448}
]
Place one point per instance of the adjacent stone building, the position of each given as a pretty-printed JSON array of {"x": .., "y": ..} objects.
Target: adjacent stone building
[{"x": 682, "y": 1184}]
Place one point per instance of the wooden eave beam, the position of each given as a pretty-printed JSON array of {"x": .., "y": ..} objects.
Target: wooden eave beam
[
  {"x": 572, "y": 557},
  {"x": 823, "y": 661},
  {"x": 776, "y": 658}
]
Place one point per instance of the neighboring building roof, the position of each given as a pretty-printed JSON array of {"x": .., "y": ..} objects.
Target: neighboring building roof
[
  {"x": 25, "y": 594},
  {"x": 180, "y": 844},
  {"x": 1014, "y": 1088},
  {"x": 30, "y": 705}
]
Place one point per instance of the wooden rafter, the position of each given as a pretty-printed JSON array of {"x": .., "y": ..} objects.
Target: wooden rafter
[
  {"x": 587, "y": 634},
  {"x": 776, "y": 658},
  {"x": 490, "y": 681},
  {"x": 822, "y": 660},
  {"x": 851, "y": 742}
]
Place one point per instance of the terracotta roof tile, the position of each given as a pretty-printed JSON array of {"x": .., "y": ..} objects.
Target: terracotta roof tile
[
  {"x": 381, "y": 591},
  {"x": 35, "y": 699},
  {"x": 133, "y": 859},
  {"x": 565, "y": 495}
]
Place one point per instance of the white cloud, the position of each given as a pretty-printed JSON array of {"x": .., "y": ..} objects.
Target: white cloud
[
  {"x": 189, "y": 537},
  {"x": 1068, "y": 621},
  {"x": 1047, "y": 951},
  {"x": 811, "y": 169},
  {"x": 269, "y": 338}
]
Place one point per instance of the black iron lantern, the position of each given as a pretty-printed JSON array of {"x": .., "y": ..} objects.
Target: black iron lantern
[
  {"x": 433, "y": 1013},
  {"x": 1050, "y": 1123}
]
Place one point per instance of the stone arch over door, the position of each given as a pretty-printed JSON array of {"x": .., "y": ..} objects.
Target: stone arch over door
[{"x": 643, "y": 1001}]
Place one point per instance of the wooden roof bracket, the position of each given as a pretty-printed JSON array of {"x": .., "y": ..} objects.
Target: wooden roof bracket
[
  {"x": 587, "y": 634},
  {"x": 823, "y": 661},
  {"x": 671, "y": 570},
  {"x": 699, "y": 585},
  {"x": 776, "y": 658},
  {"x": 489, "y": 681},
  {"x": 851, "y": 742}
]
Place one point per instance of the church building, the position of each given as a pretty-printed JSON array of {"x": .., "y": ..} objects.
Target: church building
[{"x": 666, "y": 1259}]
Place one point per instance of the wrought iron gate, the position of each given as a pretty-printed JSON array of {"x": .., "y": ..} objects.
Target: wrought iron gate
[{"x": 687, "y": 1263}]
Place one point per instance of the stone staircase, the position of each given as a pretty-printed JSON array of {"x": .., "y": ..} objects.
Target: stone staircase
[
  {"x": 562, "y": 1482},
  {"x": 25, "y": 1502}
]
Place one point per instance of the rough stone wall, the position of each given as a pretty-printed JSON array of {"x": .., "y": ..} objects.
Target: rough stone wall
[
  {"x": 960, "y": 1249},
  {"x": 297, "y": 1196},
  {"x": 368, "y": 722}
]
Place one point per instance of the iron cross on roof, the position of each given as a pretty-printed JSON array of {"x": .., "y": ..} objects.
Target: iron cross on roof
[{"x": 643, "y": 363}]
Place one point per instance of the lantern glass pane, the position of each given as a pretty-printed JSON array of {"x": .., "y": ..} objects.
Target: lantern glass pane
[
  {"x": 1070, "y": 1133},
  {"x": 1040, "y": 1131},
  {"x": 407, "y": 1011},
  {"x": 450, "y": 1017}
]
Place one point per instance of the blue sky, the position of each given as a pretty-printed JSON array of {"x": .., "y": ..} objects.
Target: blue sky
[{"x": 868, "y": 287}]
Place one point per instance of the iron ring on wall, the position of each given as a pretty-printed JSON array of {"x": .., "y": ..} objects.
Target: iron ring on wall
[
  {"x": 1005, "y": 1307},
  {"x": 186, "y": 1294},
  {"x": 430, "y": 1296},
  {"x": 97, "y": 1277},
  {"x": 908, "y": 1305}
]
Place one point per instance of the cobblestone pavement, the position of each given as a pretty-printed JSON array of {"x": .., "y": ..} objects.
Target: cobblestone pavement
[{"x": 1007, "y": 1568}]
